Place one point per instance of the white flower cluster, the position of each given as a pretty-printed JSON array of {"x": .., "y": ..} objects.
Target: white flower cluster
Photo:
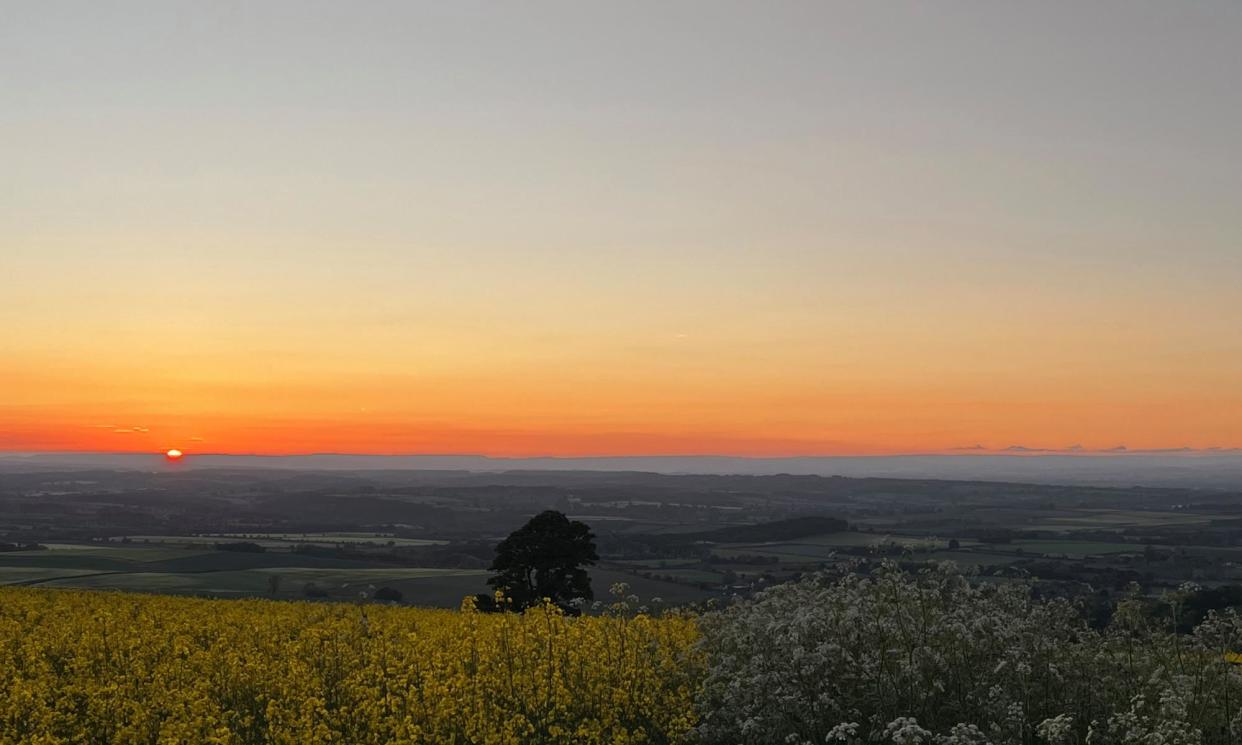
[{"x": 934, "y": 659}]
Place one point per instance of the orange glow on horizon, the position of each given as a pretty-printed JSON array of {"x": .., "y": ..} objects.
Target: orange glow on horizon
[
  {"x": 623, "y": 379},
  {"x": 323, "y": 246},
  {"x": 763, "y": 428},
  {"x": 610, "y": 408}
]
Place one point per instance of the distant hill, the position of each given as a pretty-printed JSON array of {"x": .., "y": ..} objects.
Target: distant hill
[{"x": 1220, "y": 469}]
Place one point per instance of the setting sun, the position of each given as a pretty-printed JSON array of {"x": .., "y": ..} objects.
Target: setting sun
[{"x": 173, "y": 454}]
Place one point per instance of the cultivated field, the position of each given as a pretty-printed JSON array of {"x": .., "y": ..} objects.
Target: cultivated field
[
  {"x": 120, "y": 668},
  {"x": 175, "y": 567}
]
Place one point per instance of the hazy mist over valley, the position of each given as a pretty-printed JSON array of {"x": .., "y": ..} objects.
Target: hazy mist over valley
[{"x": 1206, "y": 469}]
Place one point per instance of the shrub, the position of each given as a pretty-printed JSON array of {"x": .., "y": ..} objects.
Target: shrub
[
  {"x": 245, "y": 547},
  {"x": 312, "y": 590},
  {"x": 388, "y": 595},
  {"x": 916, "y": 658}
]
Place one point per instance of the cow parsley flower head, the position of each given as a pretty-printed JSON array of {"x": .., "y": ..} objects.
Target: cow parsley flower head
[
  {"x": 843, "y": 732},
  {"x": 906, "y": 731},
  {"x": 1056, "y": 731}
]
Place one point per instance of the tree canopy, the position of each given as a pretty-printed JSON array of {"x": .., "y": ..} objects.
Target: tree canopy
[{"x": 545, "y": 558}]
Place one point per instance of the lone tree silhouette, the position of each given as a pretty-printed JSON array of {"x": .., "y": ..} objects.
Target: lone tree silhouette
[{"x": 544, "y": 559}]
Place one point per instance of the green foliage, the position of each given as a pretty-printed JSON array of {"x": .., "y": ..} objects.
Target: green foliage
[
  {"x": 545, "y": 559},
  {"x": 245, "y": 547},
  {"x": 388, "y": 595}
]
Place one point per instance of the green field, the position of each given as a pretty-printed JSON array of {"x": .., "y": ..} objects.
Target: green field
[
  {"x": 824, "y": 547},
  {"x": 420, "y": 586},
  {"x": 205, "y": 541},
  {"x": 281, "y": 540},
  {"x": 1077, "y": 548},
  {"x": 853, "y": 538},
  {"x": 791, "y": 552},
  {"x": 36, "y": 575},
  {"x": 191, "y": 565},
  {"x": 331, "y": 538},
  {"x": 200, "y": 570},
  {"x": 1085, "y": 519},
  {"x": 973, "y": 558},
  {"x": 658, "y": 563},
  {"x": 112, "y": 552},
  {"x": 693, "y": 575}
]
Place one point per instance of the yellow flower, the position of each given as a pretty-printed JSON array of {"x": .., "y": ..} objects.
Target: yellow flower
[{"x": 118, "y": 668}]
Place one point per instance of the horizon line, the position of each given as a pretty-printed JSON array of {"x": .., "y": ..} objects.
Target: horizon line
[{"x": 1012, "y": 451}]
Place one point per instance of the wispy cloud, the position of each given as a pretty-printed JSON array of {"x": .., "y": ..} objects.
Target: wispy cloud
[{"x": 1025, "y": 449}]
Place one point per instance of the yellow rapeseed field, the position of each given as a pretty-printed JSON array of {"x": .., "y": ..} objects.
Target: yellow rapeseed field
[{"x": 85, "y": 667}]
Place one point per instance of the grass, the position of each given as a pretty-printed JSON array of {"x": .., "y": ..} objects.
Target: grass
[
  {"x": 672, "y": 593},
  {"x": 196, "y": 540},
  {"x": 852, "y": 538},
  {"x": 338, "y": 583},
  {"x": 973, "y": 558},
  {"x": 328, "y": 538},
  {"x": 109, "y": 553},
  {"x": 1077, "y": 548},
  {"x": 658, "y": 563},
  {"x": 36, "y": 575},
  {"x": 280, "y": 540},
  {"x": 823, "y": 547},
  {"x": 693, "y": 575},
  {"x": 161, "y": 568},
  {"x": 1102, "y": 519},
  {"x": 781, "y": 551}
]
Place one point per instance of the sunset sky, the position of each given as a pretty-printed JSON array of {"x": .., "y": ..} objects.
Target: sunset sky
[{"x": 643, "y": 228}]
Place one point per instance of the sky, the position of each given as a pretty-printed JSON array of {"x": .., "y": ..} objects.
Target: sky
[{"x": 619, "y": 228}]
